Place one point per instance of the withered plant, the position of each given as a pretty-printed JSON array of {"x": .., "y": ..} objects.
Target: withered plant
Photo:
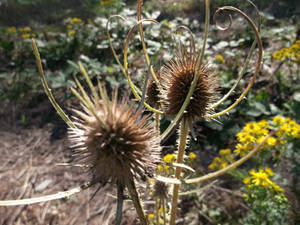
[{"x": 119, "y": 145}]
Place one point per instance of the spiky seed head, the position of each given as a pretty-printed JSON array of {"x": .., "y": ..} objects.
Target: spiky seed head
[
  {"x": 160, "y": 189},
  {"x": 115, "y": 141},
  {"x": 152, "y": 92},
  {"x": 176, "y": 78}
]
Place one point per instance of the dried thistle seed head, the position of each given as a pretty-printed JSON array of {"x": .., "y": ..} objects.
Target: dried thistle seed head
[
  {"x": 152, "y": 92},
  {"x": 176, "y": 78},
  {"x": 115, "y": 141},
  {"x": 160, "y": 189}
]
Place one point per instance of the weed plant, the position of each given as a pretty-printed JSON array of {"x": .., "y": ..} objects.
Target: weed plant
[{"x": 120, "y": 145}]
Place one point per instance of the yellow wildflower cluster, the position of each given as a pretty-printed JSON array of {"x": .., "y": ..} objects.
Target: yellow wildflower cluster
[
  {"x": 262, "y": 178},
  {"x": 289, "y": 54},
  {"x": 171, "y": 158},
  {"x": 72, "y": 25},
  {"x": 226, "y": 157},
  {"x": 11, "y": 30},
  {"x": 168, "y": 159},
  {"x": 25, "y": 32},
  {"x": 71, "y": 32},
  {"x": 152, "y": 216},
  {"x": 104, "y": 3},
  {"x": 254, "y": 133},
  {"x": 75, "y": 20},
  {"x": 287, "y": 127}
]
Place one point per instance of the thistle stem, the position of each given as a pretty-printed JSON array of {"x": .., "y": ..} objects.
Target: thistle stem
[
  {"x": 157, "y": 210},
  {"x": 120, "y": 203},
  {"x": 164, "y": 210},
  {"x": 136, "y": 201},
  {"x": 157, "y": 122},
  {"x": 184, "y": 129}
]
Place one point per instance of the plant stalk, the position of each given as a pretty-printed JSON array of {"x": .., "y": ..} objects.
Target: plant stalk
[
  {"x": 164, "y": 210},
  {"x": 184, "y": 129},
  {"x": 157, "y": 210},
  {"x": 120, "y": 201},
  {"x": 157, "y": 122},
  {"x": 136, "y": 201}
]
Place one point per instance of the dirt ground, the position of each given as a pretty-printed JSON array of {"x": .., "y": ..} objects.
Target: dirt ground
[
  {"x": 35, "y": 161},
  {"x": 30, "y": 166}
]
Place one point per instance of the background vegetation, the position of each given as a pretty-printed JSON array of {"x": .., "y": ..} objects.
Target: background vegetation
[{"x": 70, "y": 31}]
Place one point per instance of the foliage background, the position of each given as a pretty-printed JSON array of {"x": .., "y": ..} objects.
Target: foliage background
[{"x": 63, "y": 43}]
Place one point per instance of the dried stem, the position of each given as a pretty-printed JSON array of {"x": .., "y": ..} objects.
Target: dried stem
[
  {"x": 184, "y": 129},
  {"x": 231, "y": 166},
  {"x": 48, "y": 92},
  {"x": 45, "y": 198},
  {"x": 196, "y": 77},
  {"x": 134, "y": 89},
  {"x": 163, "y": 202},
  {"x": 157, "y": 209},
  {"x": 120, "y": 201},
  {"x": 136, "y": 201},
  {"x": 258, "y": 64},
  {"x": 139, "y": 16},
  {"x": 157, "y": 122}
]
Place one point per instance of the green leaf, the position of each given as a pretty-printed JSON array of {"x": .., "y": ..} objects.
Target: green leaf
[{"x": 296, "y": 96}]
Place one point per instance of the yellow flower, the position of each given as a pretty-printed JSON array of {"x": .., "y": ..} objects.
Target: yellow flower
[
  {"x": 171, "y": 25},
  {"x": 24, "y": 36},
  {"x": 242, "y": 149},
  {"x": 160, "y": 211},
  {"x": 271, "y": 142},
  {"x": 159, "y": 168},
  {"x": 277, "y": 55},
  {"x": 71, "y": 32},
  {"x": 69, "y": 26},
  {"x": 103, "y": 3},
  {"x": 151, "y": 216},
  {"x": 220, "y": 59},
  {"x": 247, "y": 180},
  {"x": 224, "y": 152},
  {"x": 278, "y": 120},
  {"x": 192, "y": 156},
  {"x": 223, "y": 165},
  {"x": 260, "y": 178},
  {"x": 33, "y": 35},
  {"x": 277, "y": 188},
  {"x": 269, "y": 172},
  {"x": 26, "y": 29},
  {"x": 212, "y": 166},
  {"x": 11, "y": 30},
  {"x": 169, "y": 158},
  {"x": 215, "y": 163},
  {"x": 167, "y": 169},
  {"x": 263, "y": 124},
  {"x": 75, "y": 20},
  {"x": 244, "y": 137}
]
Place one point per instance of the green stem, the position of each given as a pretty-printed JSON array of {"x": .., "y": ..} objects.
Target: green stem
[
  {"x": 136, "y": 201},
  {"x": 184, "y": 129},
  {"x": 120, "y": 204}
]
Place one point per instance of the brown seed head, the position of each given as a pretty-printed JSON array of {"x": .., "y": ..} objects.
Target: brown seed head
[
  {"x": 153, "y": 92},
  {"x": 115, "y": 141},
  {"x": 160, "y": 189},
  {"x": 176, "y": 78}
]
